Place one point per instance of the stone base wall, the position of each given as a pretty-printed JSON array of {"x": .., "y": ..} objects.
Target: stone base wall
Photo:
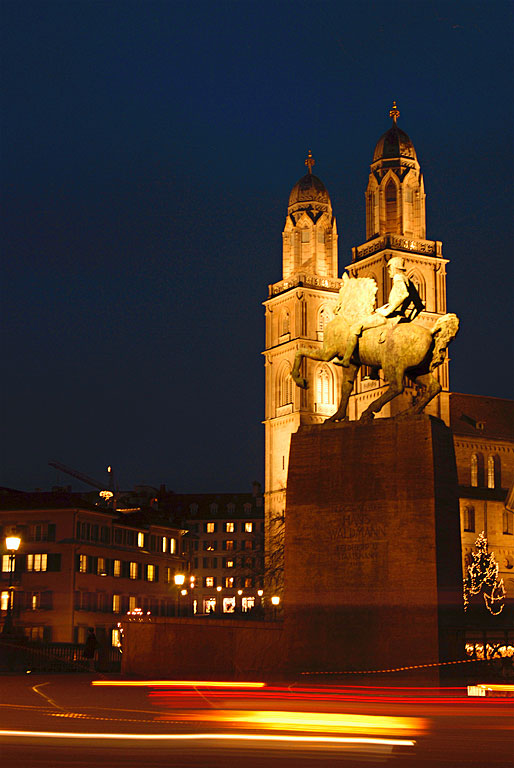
[
  {"x": 372, "y": 546},
  {"x": 202, "y": 649}
]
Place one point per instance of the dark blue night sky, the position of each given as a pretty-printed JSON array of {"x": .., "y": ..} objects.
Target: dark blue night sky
[{"x": 148, "y": 151}]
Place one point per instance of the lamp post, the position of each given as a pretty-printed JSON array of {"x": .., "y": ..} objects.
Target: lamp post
[
  {"x": 179, "y": 579},
  {"x": 275, "y": 600},
  {"x": 12, "y": 544}
]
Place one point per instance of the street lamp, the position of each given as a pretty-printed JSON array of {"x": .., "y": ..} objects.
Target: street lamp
[
  {"x": 275, "y": 600},
  {"x": 12, "y": 544},
  {"x": 179, "y": 579}
]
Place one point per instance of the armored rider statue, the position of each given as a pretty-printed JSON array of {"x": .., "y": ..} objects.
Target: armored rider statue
[{"x": 403, "y": 306}]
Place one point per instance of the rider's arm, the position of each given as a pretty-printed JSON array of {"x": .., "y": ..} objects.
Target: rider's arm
[{"x": 399, "y": 292}]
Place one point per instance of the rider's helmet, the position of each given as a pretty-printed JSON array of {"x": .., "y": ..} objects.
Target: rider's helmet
[{"x": 397, "y": 262}]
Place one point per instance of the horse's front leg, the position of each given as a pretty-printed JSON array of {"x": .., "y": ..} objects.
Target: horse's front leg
[
  {"x": 324, "y": 354},
  {"x": 346, "y": 390},
  {"x": 295, "y": 373}
]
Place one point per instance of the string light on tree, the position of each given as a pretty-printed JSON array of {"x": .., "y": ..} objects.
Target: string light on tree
[{"x": 482, "y": 576}]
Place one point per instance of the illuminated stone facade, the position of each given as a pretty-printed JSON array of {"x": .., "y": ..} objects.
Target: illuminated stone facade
[
  {"x": 396, "y": 226},
  {"x": 299, "y": 306},
  {"x": 297, "y": 310}
]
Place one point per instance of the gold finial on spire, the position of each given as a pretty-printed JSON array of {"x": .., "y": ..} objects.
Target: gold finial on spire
[
  {"x": 394, "y": 112},
  {"x": 310, "y": 161}
]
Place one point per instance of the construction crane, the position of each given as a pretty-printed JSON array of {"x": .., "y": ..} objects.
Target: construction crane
[{"x": 84, "y": 478}]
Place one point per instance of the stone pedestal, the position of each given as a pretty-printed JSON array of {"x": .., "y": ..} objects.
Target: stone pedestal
[{"x": 372, "y": 546}]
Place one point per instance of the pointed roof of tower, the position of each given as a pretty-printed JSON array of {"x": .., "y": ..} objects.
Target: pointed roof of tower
[
  {"x": 394, "y": 143},
  {"x": 309, "y": 188}
]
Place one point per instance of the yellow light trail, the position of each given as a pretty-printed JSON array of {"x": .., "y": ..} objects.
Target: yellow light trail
[
  {"x": 177, "y": 684},
  {"x": 326, "y": 722},
  {"x": 213, "y": 737}
]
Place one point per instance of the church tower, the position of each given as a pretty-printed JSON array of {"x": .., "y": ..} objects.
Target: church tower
[
  {"x": 297, "y": 310},
  {"x": 396, "y": 226}
]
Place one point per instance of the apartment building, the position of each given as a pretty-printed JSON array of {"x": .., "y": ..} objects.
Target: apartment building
[
  {"x": 82, "y": 566},
  {"x": 225, "y": 540}
]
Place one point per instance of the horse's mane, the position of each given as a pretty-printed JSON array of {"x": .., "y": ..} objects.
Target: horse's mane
[{"x": 356, "y": 298}]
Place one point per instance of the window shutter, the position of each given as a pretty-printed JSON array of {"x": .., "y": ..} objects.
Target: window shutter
[
  {"x": 140, "y": 571},
  {"x": 54, "y": 562},
  {"x": 46, "y": 599},
  {"x": 156, "y": 573},
  {"x": 125, "y": 569},
  {"x": 51, "y": 532}
]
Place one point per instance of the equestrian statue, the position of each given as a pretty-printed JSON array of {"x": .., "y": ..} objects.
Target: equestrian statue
[{"x": 385, "y": 338}]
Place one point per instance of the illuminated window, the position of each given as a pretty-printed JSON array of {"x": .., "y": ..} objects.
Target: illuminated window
[
  {"x": 209, "y": 581},
  {"x": 210, "y": 546},
  {"x": 493, "y": 471},
  {"x": 229, "y": 604},
  {"x": 6, "y": 563},
  {"x": 35, "y": 601},
  {"x": 101, "y": 567},
  {"x": 474, "y": 470},
  {"x": 248, "y": 527},
  {"x": 210, "y": 527},
  {"x": 229, "y": 527},
  {"x": 228, "y": 581},
  {"x": 324, "y": 317},
  {"x": 173, "y": 546},
  {"x": 228, "y": 544},
  {"x": 209, "y": 604},
  {"x": 133, "y": 571},
  {"x": 4, "y": 600},
  {"x": 164, "y": 544},
  {"x": 132, "y": 603},
  {"x": 390, "y": 202},
  {"x": 82, "y": 563},
  {"x": 508, "y": 523},
  {"x": 116, "y": 604},
  {"x": 140, "y": 539},
  {"x": 117, "y": 568},
  {"x": 150, "y": 572},
  {"x": 469, "y": 518},
  {"x": 248, "y": 581},
  {"x": 247, "y": 603},
  {"x": 229, "y": 563},
  {"x": 284, "y": 386},
  {"x": 324, "y": 387},
  {"x": 116, "y": 638},
  {"x": 38, "y": 562}
]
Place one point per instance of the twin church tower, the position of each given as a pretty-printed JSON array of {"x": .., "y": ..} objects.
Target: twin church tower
[{"x": 302, "y": 303}]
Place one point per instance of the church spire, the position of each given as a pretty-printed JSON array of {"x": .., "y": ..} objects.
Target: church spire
[
  {"x": 310, "y": 161},
  {"x": 394, "y": 112}
]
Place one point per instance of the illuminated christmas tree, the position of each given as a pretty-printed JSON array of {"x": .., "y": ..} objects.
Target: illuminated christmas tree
[{"x": 482, "y": 576}]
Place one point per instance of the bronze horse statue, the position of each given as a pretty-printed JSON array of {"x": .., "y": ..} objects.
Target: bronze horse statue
[{"x": 398, "y": 348}]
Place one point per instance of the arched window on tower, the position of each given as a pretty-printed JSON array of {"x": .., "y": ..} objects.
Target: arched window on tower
[
  {"x": 324, "y": 317},
  {"x": 419, "y": 283},
  {"x": 391, "y": 206},
  {"x": 284, "y": 386},
  {"x": 324, "y": 389}
]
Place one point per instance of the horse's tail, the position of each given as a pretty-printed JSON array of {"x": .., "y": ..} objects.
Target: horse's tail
[{"x": 443, "y": 332}]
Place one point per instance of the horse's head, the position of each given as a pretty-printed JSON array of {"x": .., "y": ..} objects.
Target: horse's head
[{"x": 356, "y": 298}]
